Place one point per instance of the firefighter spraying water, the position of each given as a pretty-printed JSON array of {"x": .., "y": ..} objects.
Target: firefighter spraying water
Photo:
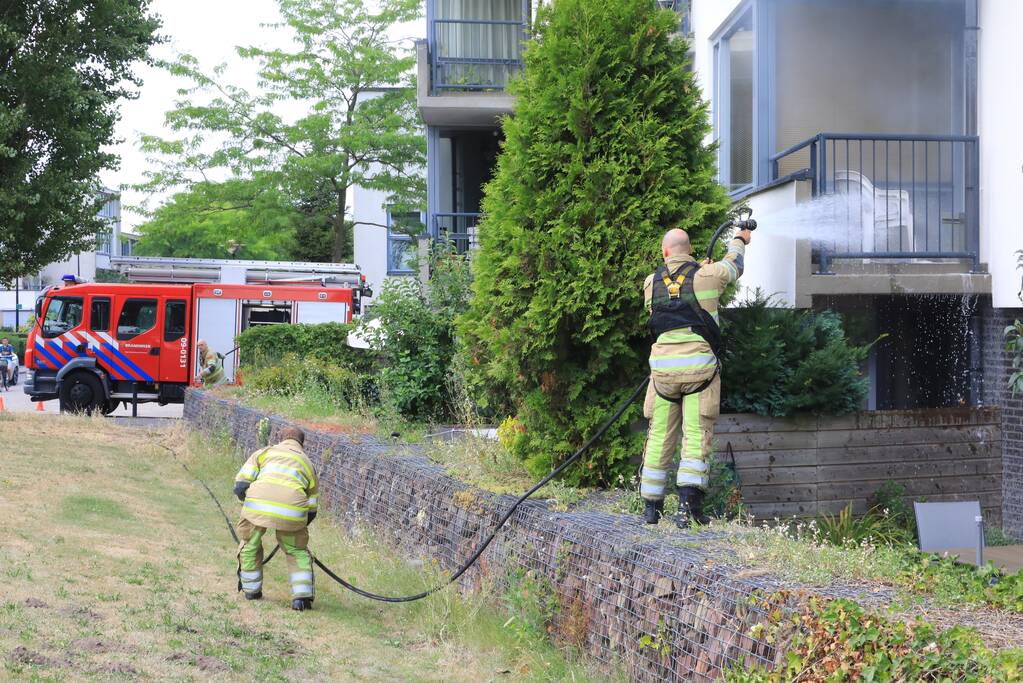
[{"x": 684, "y": 394}]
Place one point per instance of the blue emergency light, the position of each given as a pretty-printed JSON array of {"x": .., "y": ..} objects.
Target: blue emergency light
[{"x": 70, "y": 279}]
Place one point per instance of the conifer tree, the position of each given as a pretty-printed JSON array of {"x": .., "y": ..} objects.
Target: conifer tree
[{"x": 605, "y": 151}]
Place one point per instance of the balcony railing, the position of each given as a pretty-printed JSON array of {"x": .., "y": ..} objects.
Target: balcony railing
[
  {"x": 684, "y": 11},
  {"x": 475, "y": 54},
  {"x": 889, "y": 196},
  {"x": 457, "y": 229}
]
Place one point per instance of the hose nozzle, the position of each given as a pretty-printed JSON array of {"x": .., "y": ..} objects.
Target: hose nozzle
[{"x": 744, "y": 220}]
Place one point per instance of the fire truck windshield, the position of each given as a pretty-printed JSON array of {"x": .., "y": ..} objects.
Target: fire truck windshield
[{"x": 63, "y": 314}]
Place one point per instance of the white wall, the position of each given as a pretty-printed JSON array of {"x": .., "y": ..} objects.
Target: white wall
[
  {"x": 370, "y": 249},
  {"x": 1001, "y": 146},
  {"x": 370, "y": 240},
  {"x": 707, "y": 16},
  {"x": 771, "y": 262}
]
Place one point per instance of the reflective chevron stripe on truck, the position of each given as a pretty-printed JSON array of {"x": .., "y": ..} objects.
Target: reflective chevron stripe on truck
[{"x": 55, "y": 353}]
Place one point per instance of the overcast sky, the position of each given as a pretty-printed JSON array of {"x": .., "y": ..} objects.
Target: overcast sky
[{"x": 209, "y": 30}]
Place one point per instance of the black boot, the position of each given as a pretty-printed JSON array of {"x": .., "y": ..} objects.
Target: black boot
[
  {"x": 653, "y": 511},
  {"x": 301, "y": 604},
  {"x": 256, "y": 595},
  {"x": 690, "y": 507}
]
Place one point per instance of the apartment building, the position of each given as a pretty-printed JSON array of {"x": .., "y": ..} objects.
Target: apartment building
[
  {"x": 472, "y": 49},
  {"x": 876, "y": 140},
  {"x": 878, "y": 144}
]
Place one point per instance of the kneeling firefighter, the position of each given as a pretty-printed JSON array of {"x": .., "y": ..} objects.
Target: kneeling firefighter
[
  {"x": 684, "y": 393},
  {"x": 278, "y": 490}
]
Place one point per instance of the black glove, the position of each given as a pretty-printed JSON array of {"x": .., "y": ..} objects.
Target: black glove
[
  {"x": 240, "y": 488},
  {"x": 310, "y": 517}
]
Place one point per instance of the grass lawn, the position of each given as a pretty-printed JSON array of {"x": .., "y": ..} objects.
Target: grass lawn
[{"x": 116, "y": 565}]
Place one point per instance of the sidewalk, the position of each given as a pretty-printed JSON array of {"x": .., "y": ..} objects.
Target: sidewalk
[{"x": 17, "y": 401}]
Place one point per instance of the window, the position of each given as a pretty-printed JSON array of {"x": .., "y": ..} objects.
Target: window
[
  {"x": 62, "y": 315},
  {"x": 735, "y": 67},
  {"x": 103, "y": 239},
  {"x": 402, "y": 246},
  {"x": 137, "y": 316},
  {"x": 174, "y": 320},
  {"x": 99, "y": 315}
]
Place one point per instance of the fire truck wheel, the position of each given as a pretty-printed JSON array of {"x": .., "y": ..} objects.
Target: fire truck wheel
[{"x": 80, "y": 392}]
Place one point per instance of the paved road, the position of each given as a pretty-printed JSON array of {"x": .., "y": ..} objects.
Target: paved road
[{"x": 16, "y": 400}]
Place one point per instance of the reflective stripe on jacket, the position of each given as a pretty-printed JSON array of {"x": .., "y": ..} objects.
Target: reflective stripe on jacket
[
  {"x": 283, "y": 487},
  {"x": 682, "y": 354}
]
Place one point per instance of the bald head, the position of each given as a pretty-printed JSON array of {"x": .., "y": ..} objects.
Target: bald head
[{"x": 675, "y": 243}]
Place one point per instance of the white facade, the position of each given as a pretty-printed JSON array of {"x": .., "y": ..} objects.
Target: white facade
[
  {"x": 370, "y": 212},
  {"x": 1001, "y": 146},
  {"x": 379, "y": 252}
]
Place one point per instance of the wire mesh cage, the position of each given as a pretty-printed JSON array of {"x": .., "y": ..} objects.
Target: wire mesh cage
[{"x": 654, "y": 607}]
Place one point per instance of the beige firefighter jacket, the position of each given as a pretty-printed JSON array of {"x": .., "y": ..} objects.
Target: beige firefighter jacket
[
  {"x": 682, "y": 356},
  {"x": 283, "y": 487}
]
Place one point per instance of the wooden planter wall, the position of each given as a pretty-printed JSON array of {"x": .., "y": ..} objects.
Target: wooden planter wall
[{"x": 804, "y": 467}]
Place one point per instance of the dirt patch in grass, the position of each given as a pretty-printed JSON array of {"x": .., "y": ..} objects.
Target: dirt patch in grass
[
  {"x": 119, "y": 668},
  {"x": 92, "y": 646},
  {"x": 22, "y": 655}
]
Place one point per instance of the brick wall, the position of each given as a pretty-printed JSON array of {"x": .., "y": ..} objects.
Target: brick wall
[{"x": 997, "y": 368}]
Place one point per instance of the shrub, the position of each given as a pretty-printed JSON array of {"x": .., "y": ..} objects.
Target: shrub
[
  {"x": 838, "y": 640},
  {"x": 264, "y": 345},
  {"x": 604, "y": 153},
  {"x": 341, "y": 386},
  {"x": 780, "y": 361},
  {"x": 416, "y": 336}
]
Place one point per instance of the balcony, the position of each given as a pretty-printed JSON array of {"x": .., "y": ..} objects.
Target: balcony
[
  {"x": 457, "y": 230},
  {"x": 475, "y": 54},
  {"x": 472, "y": 51},
  {"x": 896, "y": 197}
]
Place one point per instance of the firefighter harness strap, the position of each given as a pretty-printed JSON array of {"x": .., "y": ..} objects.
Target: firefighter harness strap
[{"x": 486, "y": 542}]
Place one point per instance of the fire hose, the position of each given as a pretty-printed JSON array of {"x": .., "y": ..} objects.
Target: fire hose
[
  {"x": 482, "y": 546},
  {"x": 742, "y": 224}
]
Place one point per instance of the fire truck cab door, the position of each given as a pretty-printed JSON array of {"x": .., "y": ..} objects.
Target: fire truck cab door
[
  {"x": 175, "y": 345},
  {"x": 139, "y": 334}
]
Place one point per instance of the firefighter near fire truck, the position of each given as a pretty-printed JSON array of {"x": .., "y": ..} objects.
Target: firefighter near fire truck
[
  {"x": 683, "y": 397},
  {"x": 211, "y": 365},
  {"x": 278, "y": 489}
]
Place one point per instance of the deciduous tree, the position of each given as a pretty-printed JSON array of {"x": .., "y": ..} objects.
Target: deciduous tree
[
  {"x": 64, "y": 65},
  {"x": 359, "y": 126}
]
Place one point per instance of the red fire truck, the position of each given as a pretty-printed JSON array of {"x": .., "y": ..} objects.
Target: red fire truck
[{"x": 95, "y": 345}]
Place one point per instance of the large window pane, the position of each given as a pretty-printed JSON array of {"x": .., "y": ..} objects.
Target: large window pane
[
  {"x": 735, "y": 74},
  {"x": 740, "y": 97},
  {"x": 62, "y": 315}
]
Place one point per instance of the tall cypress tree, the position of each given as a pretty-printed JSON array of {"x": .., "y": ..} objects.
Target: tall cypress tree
[{"x": 605, "y": 151}]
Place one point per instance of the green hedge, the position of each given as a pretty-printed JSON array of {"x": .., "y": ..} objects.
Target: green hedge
[
  {"x": 782, "y": 361},
  {"x": 266, "y": 345}
]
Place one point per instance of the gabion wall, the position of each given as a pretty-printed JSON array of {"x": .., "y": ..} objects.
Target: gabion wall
[{"x": 613, "y": 583}]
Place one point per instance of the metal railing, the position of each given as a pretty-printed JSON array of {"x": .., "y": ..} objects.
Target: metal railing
[
  {"x": 890, "y": 196},
  {"x": 457, "y": 229},
  {"x": 684, "y": 11},
  {"x": 475, "y": 54}
]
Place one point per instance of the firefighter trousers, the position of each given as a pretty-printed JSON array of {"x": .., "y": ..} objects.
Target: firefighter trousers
[
  {"x": 690, "y": 422},
  {"x": 295, "y": 545}
]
